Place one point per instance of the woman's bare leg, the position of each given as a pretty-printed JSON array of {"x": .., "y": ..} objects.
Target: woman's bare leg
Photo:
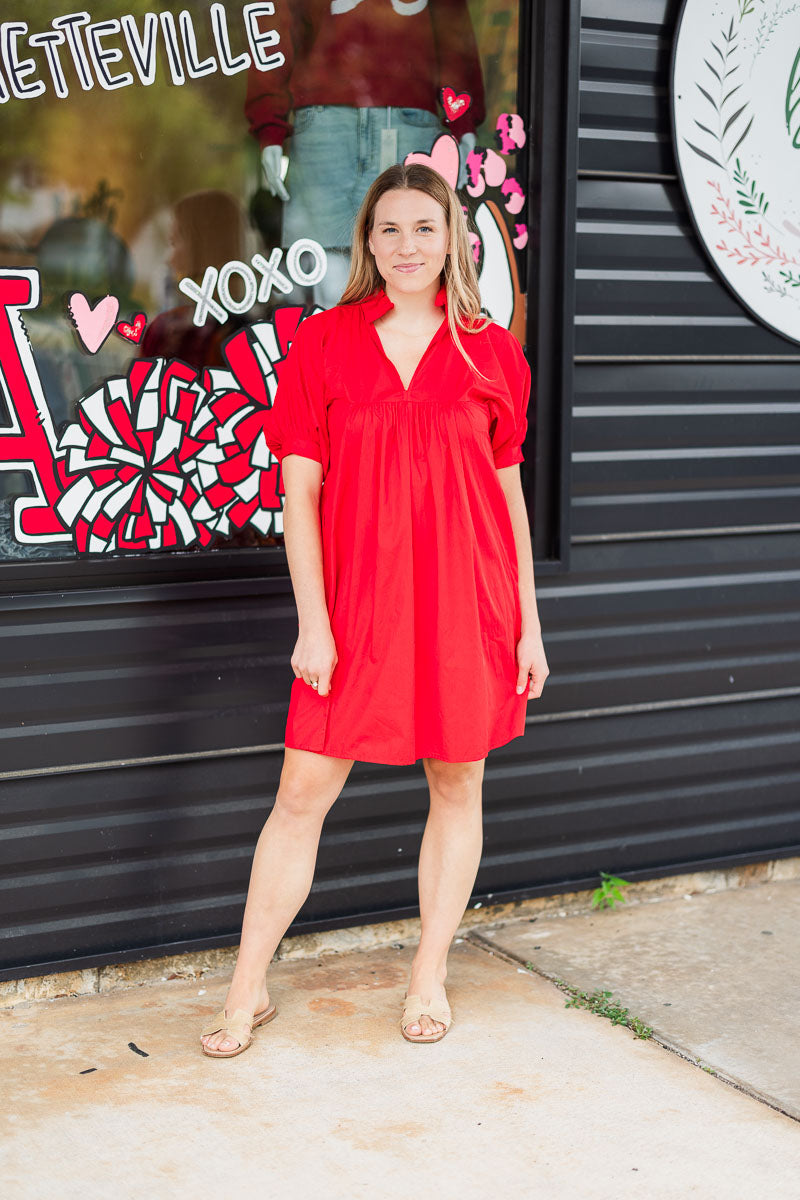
[
  {"x": 282, "y": 873},
  {"x": 449, "y": 858}
]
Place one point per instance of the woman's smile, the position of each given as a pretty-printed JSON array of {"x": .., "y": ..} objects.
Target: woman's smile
[{"x": 408, "y": 223}]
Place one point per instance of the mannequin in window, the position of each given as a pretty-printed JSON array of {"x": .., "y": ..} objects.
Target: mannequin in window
[{"x": 362, "y": 79}]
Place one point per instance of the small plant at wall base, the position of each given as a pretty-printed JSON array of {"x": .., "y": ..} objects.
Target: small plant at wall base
[{"x": 607, "y": 895}]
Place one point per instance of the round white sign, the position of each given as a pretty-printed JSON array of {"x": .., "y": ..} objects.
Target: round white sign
[{"x": 736, "y": 127}]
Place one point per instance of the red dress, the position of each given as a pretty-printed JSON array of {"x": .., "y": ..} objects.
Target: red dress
[{"x": 419, "y": 560}]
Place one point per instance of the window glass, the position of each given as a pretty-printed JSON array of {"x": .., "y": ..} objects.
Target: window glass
[{"x": 177, "y": 190}]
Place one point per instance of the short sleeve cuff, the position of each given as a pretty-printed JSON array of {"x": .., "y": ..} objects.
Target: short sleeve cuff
[
  {"x": 508, "y": 455},
  {"x": 305, "y": 449}
]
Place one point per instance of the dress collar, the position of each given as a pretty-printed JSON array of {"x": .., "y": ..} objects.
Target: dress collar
[{"x": 377, "y": 302}]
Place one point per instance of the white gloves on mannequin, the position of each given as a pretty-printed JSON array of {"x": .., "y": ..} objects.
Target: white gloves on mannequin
[{"x": 271, "y": 166}]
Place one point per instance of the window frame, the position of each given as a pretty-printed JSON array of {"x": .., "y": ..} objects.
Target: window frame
[
  {"x": 549, "y": 53},
  {"x": 549, "y": 100}
]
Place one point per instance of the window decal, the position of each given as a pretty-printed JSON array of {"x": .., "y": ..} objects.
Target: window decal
[{"x": 137, "y": 360}]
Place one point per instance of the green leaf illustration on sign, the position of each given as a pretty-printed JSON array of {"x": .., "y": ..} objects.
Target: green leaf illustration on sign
[
  {"x": 793, "y": 103},
  {"x": 751, "y": 200}
]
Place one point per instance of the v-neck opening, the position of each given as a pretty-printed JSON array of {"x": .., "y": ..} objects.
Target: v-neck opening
[{"x": 407, "y": 387}]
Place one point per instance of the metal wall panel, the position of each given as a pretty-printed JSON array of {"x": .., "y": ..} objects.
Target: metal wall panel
[
  {"x": 661, "y": 448},
  {"x": 124, "y": 674},
  {"x": 685, "y": 495},
  {"x": 108, "y": 865},
  {"x": 646, "y": 288}
]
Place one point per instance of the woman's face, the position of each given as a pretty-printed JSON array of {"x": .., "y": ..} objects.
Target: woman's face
[{"x": 409, "y": 239}]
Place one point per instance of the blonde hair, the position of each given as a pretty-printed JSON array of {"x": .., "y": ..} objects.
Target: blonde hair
[{"x": 459, "y": 275}]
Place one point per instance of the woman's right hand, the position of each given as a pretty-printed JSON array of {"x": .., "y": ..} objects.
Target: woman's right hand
[{"x": 315, "y": 657}]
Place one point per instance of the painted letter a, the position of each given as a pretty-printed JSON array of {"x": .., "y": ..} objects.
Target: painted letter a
[{"x": 28, "y": 443}]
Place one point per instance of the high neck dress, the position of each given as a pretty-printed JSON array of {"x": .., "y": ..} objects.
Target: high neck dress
[{"x": 419, "y": 560}]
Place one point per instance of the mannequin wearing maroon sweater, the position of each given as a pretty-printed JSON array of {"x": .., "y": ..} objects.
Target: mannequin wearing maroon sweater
[{"x": 361, "y": 80}]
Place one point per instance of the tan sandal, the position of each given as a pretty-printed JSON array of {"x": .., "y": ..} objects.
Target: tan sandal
[
  {"x": 414, "y": 1008},
  {"x": 240, "y": 1026}
]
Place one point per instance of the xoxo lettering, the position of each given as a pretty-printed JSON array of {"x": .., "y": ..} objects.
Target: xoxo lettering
[{"x": 254, "y": 290}]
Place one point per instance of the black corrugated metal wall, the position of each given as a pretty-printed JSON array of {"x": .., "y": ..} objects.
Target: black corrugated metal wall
[
  {"x": 667, "y": 735},
  {"x": 678, "y": 626}
]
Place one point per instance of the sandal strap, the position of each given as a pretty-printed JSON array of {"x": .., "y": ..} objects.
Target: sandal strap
[
  {"x": 240, "y": 1025},
  {"x": 437, "y": 1010}
]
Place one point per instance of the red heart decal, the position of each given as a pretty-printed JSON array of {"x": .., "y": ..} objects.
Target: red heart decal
[
  {"x": 133, "y": 332},
  {"x": 455, "y": 105}
]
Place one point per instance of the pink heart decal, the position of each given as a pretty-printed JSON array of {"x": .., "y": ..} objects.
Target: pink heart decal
[
  {"x": 133, "y": 332},
  {"x": 93, "y": 324},
  {"x": 455, "y": 105},
  {"x": 442, "y": 158}
]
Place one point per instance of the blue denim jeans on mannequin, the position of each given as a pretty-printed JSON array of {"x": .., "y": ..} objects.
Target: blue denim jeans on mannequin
[{"x": 334, "y": 155}]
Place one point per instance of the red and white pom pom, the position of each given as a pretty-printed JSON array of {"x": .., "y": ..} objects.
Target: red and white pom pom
[{"x": 126, "y": 449}]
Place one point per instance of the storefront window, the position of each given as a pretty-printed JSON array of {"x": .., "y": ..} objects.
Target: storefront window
[{"x": 177, "y": 191}]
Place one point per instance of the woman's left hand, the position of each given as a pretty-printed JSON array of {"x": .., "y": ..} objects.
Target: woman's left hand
[{"x": 533, "y": 668}]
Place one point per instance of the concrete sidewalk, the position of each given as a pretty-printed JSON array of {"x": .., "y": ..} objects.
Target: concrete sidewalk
[
  {"x": 716, "y": 976},
  {"x": 110, "y": 1095}
]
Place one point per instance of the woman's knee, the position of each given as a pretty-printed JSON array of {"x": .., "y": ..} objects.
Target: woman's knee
[
  {"x": 456, "y": 782},
  {"x": 310, "y": 783}
]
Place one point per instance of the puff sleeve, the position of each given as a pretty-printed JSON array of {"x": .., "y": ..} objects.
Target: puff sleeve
[
  {"x": 297, "y": 422},
  {"x": 509, "y": 423}
]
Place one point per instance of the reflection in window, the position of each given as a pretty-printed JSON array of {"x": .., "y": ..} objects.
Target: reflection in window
[{"x": 162, "y": 193}]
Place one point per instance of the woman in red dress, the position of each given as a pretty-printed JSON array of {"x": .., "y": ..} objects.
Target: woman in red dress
[{"x": 398, "y": 422}]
